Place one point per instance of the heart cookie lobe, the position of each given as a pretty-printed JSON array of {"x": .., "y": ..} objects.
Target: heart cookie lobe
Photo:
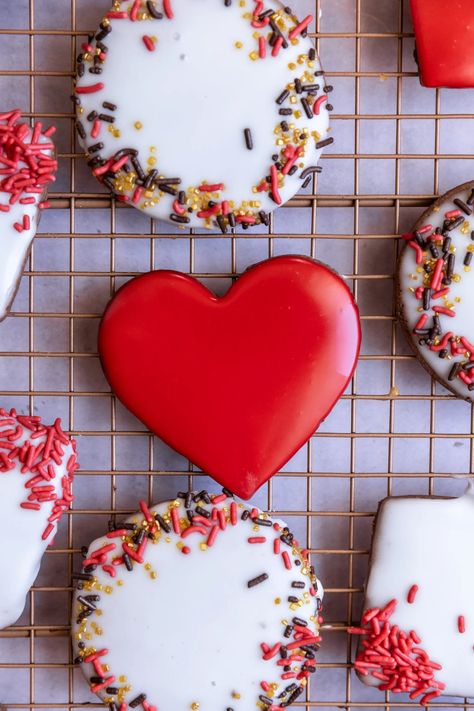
[
  {"x": 37, "y": 465},
  {"x": 236, "y": 384}
]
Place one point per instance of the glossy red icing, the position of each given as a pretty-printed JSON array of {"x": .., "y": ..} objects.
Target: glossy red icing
[
  {"x": 445, "y": 42},
  {"x": 236, "y": 384}
]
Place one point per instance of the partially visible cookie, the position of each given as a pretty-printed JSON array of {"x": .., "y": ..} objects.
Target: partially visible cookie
[
  {"x": 37, "y": 465},
  {"x": 206, "y": 114},
  {"x": 436, "y": 290},
  {"x": 27, "y": 167},
  {"x": 417, "y": 630},
  {"x": 202, "y": 602}
]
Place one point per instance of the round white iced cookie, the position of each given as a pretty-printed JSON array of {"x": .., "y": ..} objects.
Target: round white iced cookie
[
  {"x": 201, "y": 602},
  {"x": 37, "y": 465},
  {"x": 208, "y": 113},
  {"x": 436, "y": 287}
]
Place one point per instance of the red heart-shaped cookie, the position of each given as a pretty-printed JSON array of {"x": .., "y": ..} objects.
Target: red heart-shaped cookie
[{"x": 236, "y": 384}]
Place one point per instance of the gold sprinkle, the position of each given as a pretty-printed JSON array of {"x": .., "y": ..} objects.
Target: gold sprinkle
[
  {"x": 203, "y": 546},
  {"x": 147, "y": 566},
  {"x": 138, "y": 125},
  {"x": 235, "y": 695},
  {"x": 253, "y": 56},
  {"x": 277, "y": 600},
  {"x": 238, "y": 45},
  {"x": 292, "y": 66},
  {"x": 195, "y": 706}
]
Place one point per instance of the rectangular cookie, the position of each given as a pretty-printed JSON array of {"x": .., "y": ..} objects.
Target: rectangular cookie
[{"x": 417, "y": 630}]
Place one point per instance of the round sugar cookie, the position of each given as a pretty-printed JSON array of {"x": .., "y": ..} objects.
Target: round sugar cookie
[
  {"x": 197, "y": 603},
  {"x": 436, "y": 285},
  {"x": 207, "y": 113}
]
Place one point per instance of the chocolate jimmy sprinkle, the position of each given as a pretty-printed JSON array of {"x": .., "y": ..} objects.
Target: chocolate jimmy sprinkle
[
  {"x": 137, "y": 701},
  {"x": 203, "y": 512},
  {"x": 81, "y": 130},
  {"x": 285, "y": 112},
  {"x": 455, "y": 223},
  {"x": 151, "y": 7},
  {"x": 470, "y": 200},
  {"x": 312, "y": 54},
  {"x": 454, "y": 372},
  {"x": 426, "y": 299},
  {"x": 263, "y": 218},
  {"x": 292, "y": 598},
  {"x": 220, "y": 219},
  {"x": 81, "y": 68},
  {"x": 138, "y": 168},
  {"x": 450, "y": 265},
  {"x": 310, "y": 170},
  {"x": 147, "y": 183},
  {"x": 284, "y": 126},
  {"x": 262, "y": 522},
  {"x": 299, "y": 621},
  {"x": 162, "y": 523},
  {"x": 462, "y": 206},
  {"x": 307, "y": 108},
  {"x": 82, "y": 576},
  {"x": 298, "y": 86},
  {"x": 107, "y": 118},
  {"x": 248, "y": 138},
  {"x": 128, "y": 562},
  {"x": 288, "y": 631},
  {"x": 245, "y": 515},
  {"x": 325, "y": 142},
  {"x": 90, "y": 605},
  {"x": 297, "y": 584},
  {"x": 468, "y": 259},
  {"x": 228, "y": 493},
  {"x": 256, "y": 581},
  {"x": 166, "y": 188},
  {"x": 95, "y": 148},
  {"x": 284, "y": 95}
]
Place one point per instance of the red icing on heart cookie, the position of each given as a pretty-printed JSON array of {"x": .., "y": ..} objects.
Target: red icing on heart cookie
[
  {"x": 444, "y": 42},
  {"x": 236, "y": 384}
]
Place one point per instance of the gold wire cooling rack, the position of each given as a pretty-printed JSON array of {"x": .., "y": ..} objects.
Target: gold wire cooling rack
[{"x": 394, "y": 431}]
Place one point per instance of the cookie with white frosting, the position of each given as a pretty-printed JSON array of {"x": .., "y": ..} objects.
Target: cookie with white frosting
[
  {"x": 27, "y": 167},
  {"x": 206, "y": 113},
  {"x": 436, "y": 286},
  {"x": 37, "y": 465},
  {"x": 417, "y": 634},
  {"x": 216, "y": 593}
]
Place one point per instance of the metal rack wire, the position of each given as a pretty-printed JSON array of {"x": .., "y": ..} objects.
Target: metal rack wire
[{"x": 48, "y": 359}]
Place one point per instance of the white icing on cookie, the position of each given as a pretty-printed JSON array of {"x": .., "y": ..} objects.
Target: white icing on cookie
[
  {"x": 20, "y": 197},
  {"x": 35, "y": 490},
  {"x": 457, "y": 320},
  {"x": 184, "y": 106},
  {"x": 427, "y": 542},
  {"x": 192, "y": 608}
]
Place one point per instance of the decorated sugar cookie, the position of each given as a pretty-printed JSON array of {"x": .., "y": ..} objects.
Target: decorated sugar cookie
[
  {"x": 237, "y": 384},
  {"x": 435, "y": 285},
  {"x": 208, "y": 113},
  {"x": 448, "y": 61},
  {"x": 417, "y": 632},
  {"x": 37, "y": 465},
  {"x": 27, "y": 167},
  {"x": 197, "y": 603}
]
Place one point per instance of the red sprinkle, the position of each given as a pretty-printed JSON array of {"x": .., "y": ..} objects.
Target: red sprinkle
[
  {"x": 421, "y": 321},
  {"x": 318, "y": 103},
  {"x": 262, "y": 48},
  {"x": 96, "y": 126},
  {"x": 418, "y": 250},
  {"x": 444, "y": 310},
  {"x": 149, "y": 43},
  {"x": 233, "y": 513},
  {"x": 300, "y": 27},
  {"x": 91, "y": 89},
  {"x": 175, "y": 520},
  {"x": 134, "y": 10},
  {"x": 274, "y": 180},
  {"x": 213, "y": 188},
  {"x": 286, "y": 560},
  {"x": 412, "y": 594},
  {"x": 185, "y": 550},
  {"x": 256, "y": 539},
  {"x": 212, "y": 535},
  {"x": 461, "y": 624},
  {"x": 168, "y": 10},
  {"x": 277, "y": 46}
]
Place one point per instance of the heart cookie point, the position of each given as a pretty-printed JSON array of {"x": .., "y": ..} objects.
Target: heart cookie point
[{"x": 236, "y": 384}]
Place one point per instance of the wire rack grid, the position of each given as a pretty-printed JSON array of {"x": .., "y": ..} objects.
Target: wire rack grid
[{"x": 394, "y": 431}]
